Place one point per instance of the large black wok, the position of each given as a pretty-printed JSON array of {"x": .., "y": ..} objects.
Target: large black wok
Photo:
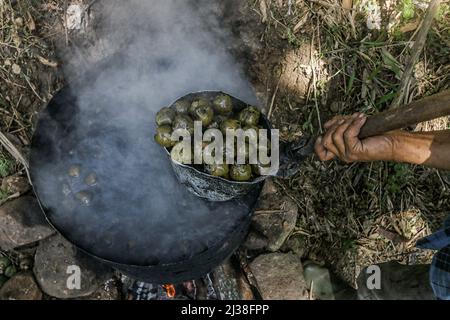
[{"x": 136, "y": 217}]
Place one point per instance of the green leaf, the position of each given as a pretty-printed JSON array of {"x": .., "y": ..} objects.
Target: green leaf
[
  {"x": 5, "y": 166},
  {"x": 351, "y": 80},
  {"x": 408, "y": 9},
  {"x": 374, "y": 73},
  {"x": 372, "y": 44},
  {"x": 391, "y": 63},
  {"x": 386, "y": 98}
]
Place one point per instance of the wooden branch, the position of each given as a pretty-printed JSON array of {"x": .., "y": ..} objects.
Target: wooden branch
[{"x": 426, "y": 109}]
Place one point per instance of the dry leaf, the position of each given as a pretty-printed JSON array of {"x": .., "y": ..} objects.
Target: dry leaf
[
  {"x": 18, "y": 21},
  {"x": 16, "y": 68},
  {"x": 47, "y": 62},
  {"x": 16, "y": 39},
  {"x": 301, "y": 23},
  {"x": 347, "y": 4},
  {"x": 263, "y": 9},
  {"x": 410, "y": 26},
  {"x": 393, "y": 236},
  {"x": 30, "y": 22}
]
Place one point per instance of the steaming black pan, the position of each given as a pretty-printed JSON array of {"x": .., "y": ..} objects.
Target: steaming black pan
[
  {"x": 111, "y": 191},
  {"x": 292, "y": 155}
]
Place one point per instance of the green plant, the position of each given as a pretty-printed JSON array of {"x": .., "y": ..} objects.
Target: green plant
[
  {"x": 308, "y": 125},
  {"x": 348, "y": 244},
  {"x": 398, "y": 35},
  {"x": 443, "y": 10},
  {"x": 5, "y": 166},
  {"x": 398, "y": 176},
  {"x": 407, "y": 9},
  {"x": 391, "y": 63},
  {"x": 292, "y": 38},
  {"x": 385, "y": 99},
  {"x": 3, "y": 195}
]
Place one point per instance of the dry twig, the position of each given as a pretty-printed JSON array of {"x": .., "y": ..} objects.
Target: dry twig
[
  {"x": 272, "y": 102},
  {"x": 16, "y": 154}
]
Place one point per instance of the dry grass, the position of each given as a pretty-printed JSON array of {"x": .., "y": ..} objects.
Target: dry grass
[
  {"x": 352, "y": 213},
  {"x": 28, "y": 77},
  {"x": 26, "y": 66},
  {"x": 330, "y": 63}
]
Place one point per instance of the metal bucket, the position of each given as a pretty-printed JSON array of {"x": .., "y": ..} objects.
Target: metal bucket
[{"x": 211, "y": 187}]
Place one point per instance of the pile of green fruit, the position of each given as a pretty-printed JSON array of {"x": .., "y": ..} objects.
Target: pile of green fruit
[
  {"x": 214, "y": 113},
  {"x": 7, "y": 269}
]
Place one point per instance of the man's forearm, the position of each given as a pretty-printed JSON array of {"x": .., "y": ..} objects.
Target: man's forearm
[{"x": 427, "y": 148}]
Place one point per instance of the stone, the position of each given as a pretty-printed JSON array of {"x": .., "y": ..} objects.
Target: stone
[
  {"x": 74, "y": 14},
  {"x": 13, "y": 139},
  {"x": 53, "y": 258},
  {"x": 15, "y": 184},
  {"x": 21, "y": 286},
  {"x": 5, "y": 262},
  {"x": 269, "y": 188},
  {"x": 325, "y": 285},
  {"x": 245, "y": 288},
  {"x": 3, "y": 279},
  {"x": 318, "y": 279},
  {"x": 275, "y": 219},
  {"x": 335, "y": 106},
  {"x": 397, "y": 282},
  {"x": 16, "y": 69},
  {"x": 279, "y": 277},
  {"x": 255, "y": 241},
  {"x": 296, "y": 244},
  {"x": 22, "y": 222}
]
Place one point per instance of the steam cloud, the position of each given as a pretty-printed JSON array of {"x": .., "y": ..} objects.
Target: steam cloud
[{"x": 158, "y": 51}]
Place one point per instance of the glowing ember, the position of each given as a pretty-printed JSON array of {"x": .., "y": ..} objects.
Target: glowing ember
[{"x": 170, "y": 290}]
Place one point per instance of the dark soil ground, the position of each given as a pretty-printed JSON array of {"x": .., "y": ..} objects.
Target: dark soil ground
[
  {"x": 319, "y": 61},
  {"x": 308, "y": 61}
]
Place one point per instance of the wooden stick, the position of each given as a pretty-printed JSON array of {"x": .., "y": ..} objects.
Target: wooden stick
[
  {"x": 416, "y": 51},
  {"x": 272, "y": 102},
  {"x": 426, "y": 109}
]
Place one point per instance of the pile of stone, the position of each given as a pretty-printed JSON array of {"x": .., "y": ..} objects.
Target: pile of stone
[
  {"x": 273, "y": 271},
  {"x": 37, "y": 263}
]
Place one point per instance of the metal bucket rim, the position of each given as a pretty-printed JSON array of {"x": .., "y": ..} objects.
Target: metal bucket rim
[{"x": 190, "y": 167}]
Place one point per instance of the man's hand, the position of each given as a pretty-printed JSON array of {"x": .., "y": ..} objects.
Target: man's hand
[{"x": 341, "y": 140}]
